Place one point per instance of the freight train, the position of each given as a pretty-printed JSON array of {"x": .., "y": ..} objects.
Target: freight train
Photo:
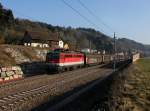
[{"x": 60, "y": 60}]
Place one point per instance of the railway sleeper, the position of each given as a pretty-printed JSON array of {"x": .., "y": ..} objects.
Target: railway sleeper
[
  {"x": 3, "y": 101},
  {"x": 12, "y": 97},
  {"x": 21, "y": 100},
  {"x": 25, "y": 98},
  {"x": 4, "y": 107},
  {"x": 11, "y": 105},
  {"x": 7, "y": 99}
]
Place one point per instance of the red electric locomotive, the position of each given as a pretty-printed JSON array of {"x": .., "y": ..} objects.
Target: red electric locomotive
[{"x": 59, "y": 60}]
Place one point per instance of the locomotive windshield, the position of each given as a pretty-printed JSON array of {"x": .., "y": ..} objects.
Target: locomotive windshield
[{"x": 51, "y": 56}]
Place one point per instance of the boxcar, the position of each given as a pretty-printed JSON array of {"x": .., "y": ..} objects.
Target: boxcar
[
  {"x": 107, "y": 58},
  {"x": 93, "y": 59}
]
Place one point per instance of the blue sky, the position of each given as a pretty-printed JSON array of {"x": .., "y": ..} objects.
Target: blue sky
[{"x": 128, "y": 18}]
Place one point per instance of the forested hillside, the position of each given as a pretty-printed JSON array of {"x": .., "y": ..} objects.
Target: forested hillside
[{"x": 12, "y": 31}]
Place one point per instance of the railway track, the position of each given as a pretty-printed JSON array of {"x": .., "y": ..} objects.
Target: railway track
[
  {"x": 53, "y": 86},
  {"x": 33, "y": 82},
  {"x": 35, "y": 79},
  {"x": 3, "y": 85}
]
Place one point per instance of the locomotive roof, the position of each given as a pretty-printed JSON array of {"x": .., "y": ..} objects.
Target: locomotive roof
[{"x": 67, "y": 52}]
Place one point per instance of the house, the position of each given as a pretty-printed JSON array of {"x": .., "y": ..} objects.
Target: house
[
  {"x": 85, "y": 50},
  {"x": 42, "y": 39},
  {"x": 66, "y": 46},
  {"x": 61, "y": 44}
]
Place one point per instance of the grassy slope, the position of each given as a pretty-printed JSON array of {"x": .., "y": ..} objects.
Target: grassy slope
[
  {"x": 143, "y": 65},
  {"x": 131, "y": 89},
  {"x": 137, "y": 87}
]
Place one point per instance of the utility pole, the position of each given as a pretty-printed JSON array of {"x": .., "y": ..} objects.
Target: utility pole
[
  {"x": 90, "y": 45},
  {"x": 114, "y": 65}
]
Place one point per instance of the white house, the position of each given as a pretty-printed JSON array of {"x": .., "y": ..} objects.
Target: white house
[
  {"x": 42, "y": 39},
  {"x": 61, "y": 44}
]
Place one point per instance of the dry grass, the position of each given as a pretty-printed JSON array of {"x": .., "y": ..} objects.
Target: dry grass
[
  {"x": 134, "y": 92},
  {"x": 28, "y": 52},
  {"x": 139, "y": 79},
  {"x": 5, "y": 59}
]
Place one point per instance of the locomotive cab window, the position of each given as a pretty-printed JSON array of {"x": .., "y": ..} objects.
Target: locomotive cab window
[{"x": 52, "y": 56}]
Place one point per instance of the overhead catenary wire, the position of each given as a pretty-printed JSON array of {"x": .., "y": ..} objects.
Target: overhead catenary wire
[
  {"x": 95, "y": 16},
  {"x": 81, "y": 15},
  {"x": 98, "y": 18}
]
